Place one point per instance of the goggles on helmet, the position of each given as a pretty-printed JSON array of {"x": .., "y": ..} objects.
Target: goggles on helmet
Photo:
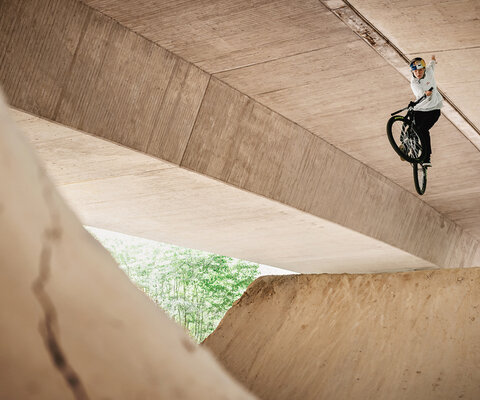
[{"x": 417, "y": 63}]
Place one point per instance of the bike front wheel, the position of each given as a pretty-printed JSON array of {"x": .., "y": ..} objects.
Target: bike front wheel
[
  {"x": 420, "y": 178},
  {"x": 404, "y": 139}
]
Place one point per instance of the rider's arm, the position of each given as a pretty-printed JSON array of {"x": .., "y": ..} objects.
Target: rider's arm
[
  {"x": 416, "y": 89},
  {"x": 431, "y": 66}
]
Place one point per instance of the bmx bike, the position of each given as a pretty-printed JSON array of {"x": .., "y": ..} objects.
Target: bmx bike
[{"x": 408, "y": 143}]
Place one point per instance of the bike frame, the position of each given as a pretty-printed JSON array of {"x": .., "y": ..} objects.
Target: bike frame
[{"x": 410, "y": 108}]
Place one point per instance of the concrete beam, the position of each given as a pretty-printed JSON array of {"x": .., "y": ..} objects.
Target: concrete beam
[
  {"x": 99, "y": 77},
  {"x": 116, "y": 188}
]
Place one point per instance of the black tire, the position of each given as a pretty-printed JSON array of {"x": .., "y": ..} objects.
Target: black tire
[
  {"x": 402, "y": 136},
  {"x": 420, "y": 178}
]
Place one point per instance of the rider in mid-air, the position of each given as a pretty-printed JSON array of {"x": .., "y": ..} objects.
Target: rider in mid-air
[{"x": 426, "y": 112}]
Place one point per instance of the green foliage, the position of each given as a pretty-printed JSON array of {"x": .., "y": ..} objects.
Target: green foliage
[{"x": 195, "y": 288}]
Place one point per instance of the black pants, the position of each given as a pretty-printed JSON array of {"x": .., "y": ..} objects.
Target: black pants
[{"x": 424, "y": 120}]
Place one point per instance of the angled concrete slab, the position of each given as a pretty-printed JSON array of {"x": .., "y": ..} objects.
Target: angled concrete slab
[{"x": 123, "y": 190}]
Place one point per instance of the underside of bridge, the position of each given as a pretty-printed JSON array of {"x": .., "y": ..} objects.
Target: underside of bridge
[
  {"x": 254, "y": 129},
  {"x": 262, "y": 124}
]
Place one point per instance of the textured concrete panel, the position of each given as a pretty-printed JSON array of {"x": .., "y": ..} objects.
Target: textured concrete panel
[
  {"x": 460, "y": 77},
  {"x": 247, "y": 145},
  {"x": 35, "y": 59},
  {"x": 451, "y": 24},
  {"x": 98, "y": 77},
  {"x": 129, "y": 90},
  {"x": 411, "y": 335},
  {"x": 332, "y": 95},
  {"x": 72, "y": 325},
  {"x": 222, "y": 35},
  {"x": 177, "y": 114}
]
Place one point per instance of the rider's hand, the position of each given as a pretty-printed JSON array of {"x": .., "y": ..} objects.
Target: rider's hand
[
  {"x": 428, "y": 92},
  {"x": 433, "y": 58}
]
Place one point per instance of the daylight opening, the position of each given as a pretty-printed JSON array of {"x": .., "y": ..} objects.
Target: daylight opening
[{"x": 195, "y": 288}]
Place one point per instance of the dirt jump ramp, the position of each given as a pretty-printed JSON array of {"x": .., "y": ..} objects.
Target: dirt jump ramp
[{"x": 412, "y": 335}]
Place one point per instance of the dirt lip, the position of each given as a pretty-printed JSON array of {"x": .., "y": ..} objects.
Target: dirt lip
[{"x": 412, "y": 335}]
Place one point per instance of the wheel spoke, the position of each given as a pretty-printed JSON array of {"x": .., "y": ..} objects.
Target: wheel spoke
[{"x": 404, "y": 139}]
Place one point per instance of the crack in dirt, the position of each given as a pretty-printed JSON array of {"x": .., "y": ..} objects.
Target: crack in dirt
[{"x": 49, "y": 328}]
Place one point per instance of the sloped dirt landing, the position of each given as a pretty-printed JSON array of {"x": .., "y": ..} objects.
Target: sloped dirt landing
[{"x": 412, "y": 335}]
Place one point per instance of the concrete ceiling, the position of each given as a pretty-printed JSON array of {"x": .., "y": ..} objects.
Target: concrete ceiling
[
  {"x": 448, "y": 29},
  {"x": 300, "y": 60},
  {"x": 281, "y": 99}
]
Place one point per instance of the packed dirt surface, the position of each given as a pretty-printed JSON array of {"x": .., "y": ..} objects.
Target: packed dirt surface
[{"x": 412, "y": 335}]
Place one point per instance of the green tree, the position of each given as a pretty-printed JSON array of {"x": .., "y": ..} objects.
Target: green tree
[{"x": 195, "y": 288}]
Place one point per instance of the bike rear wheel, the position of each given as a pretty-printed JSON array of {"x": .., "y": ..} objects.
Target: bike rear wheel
[
  {"x": 420, "y": 177},
  {"x": 406, "y": 142}
]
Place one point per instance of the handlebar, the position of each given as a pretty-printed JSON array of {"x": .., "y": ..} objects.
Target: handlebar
[{"x": 413, "y": 103}]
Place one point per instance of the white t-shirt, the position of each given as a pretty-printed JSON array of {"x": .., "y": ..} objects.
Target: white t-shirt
[{"x": 420, "y": 86}]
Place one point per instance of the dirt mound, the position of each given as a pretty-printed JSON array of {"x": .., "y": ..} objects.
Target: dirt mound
[{"x": 413, "y": 335}]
